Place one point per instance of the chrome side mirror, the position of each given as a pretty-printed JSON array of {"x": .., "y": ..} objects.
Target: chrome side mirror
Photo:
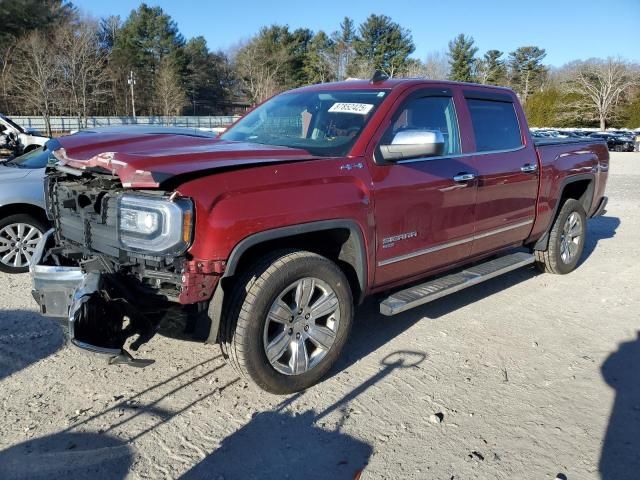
[{"x": 414, "y": 144}]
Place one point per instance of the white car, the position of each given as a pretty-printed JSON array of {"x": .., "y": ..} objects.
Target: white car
[{"x": 27, "y": 140}]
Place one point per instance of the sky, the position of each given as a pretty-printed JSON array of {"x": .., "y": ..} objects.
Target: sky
[{"x": 567, "y": 30}]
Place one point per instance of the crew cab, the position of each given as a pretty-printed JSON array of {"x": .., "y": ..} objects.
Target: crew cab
[{"x": 265, "y": 239}]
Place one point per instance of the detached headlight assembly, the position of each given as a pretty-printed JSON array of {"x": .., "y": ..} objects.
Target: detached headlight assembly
[{"x": 157, "y": 226}]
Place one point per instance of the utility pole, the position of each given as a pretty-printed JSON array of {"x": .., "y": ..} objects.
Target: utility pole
[{"x": 132, "y": 81}]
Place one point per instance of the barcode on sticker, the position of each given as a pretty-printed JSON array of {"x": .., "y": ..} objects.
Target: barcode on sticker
[{"x": 358, "y": 108}]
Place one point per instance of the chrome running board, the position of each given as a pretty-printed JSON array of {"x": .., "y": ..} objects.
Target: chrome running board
[{"x": 427, "y": 292}]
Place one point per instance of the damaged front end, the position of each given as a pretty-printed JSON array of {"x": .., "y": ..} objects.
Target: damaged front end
[{"x": 115, "y": 266}]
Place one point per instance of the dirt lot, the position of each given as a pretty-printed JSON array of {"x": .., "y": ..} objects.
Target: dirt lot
[{"x": 532, "y": 376}]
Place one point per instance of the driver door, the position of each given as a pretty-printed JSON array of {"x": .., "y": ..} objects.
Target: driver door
[{"x": 424, "y": 205}]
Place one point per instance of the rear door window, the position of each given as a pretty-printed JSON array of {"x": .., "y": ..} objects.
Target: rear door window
[{"x": 495, "y": 125}]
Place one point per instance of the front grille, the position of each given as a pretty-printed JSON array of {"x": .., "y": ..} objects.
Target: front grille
[{"x": 85, "y": 217}]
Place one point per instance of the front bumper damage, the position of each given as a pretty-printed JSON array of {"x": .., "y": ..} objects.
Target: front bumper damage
[{"x": 99, "y": 318}]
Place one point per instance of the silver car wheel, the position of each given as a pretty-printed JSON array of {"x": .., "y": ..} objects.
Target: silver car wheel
[
  {"x": 18, "y": 242},
  {"x": 570, "y": 238},
  {"x": 301, "y": 326}
]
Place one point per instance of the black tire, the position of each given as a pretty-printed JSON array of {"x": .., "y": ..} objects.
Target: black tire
[
  {"x": 245, "y": 315},
  {"x": 551, "y": 260},
  {"x": 21, "y": 218}
]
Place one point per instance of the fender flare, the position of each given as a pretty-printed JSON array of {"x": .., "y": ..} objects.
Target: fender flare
[
  {"x": 359, "y": 259},
  {"x": 543, "y": 242}
]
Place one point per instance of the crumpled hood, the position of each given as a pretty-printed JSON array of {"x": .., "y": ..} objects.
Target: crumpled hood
[{"x": 147, "y": 160}]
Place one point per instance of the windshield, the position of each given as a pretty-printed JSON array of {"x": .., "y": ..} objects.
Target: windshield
[
  {"x": 36, "y": 158},
  {"x": 325, "y": 123}
]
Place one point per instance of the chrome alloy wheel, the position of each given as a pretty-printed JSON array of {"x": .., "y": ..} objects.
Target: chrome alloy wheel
[
  {"x": 18, "y": 243},
  {"x": 301, "y": 326},
  {"x": 570, "y": 238}
]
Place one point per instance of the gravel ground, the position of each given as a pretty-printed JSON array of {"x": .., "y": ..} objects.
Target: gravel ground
[{"x": 526, "y": 376}]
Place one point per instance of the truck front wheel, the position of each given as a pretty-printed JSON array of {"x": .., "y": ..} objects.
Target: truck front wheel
[
  {"x": 566, "y": 240},
  {"x": 287, "y": 321}
]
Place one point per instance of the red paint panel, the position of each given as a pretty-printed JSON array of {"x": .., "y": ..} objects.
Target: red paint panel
[
  {"x": 231, "y": 206},
  {"x": 558, "y": 163},
  {"x": 506, "y": 197},
  {"x": 422, "y": 199}
]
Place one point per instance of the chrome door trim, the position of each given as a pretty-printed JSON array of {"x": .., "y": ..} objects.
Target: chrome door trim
[
  {"x": 455, "y": 243},
  {"x": 502, "y": 229},
  {"x": 417, "y": 253},
  {"x": 459, "y": 155}
]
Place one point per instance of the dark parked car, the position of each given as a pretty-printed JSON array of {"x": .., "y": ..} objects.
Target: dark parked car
[
  {"x": 615, "y": 143},
  {"x": 574, "y": 134}
]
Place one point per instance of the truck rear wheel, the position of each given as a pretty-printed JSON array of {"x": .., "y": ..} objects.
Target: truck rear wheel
[
  {"x": 566, "y": 240},
  {"x": 287, "y": 321}
]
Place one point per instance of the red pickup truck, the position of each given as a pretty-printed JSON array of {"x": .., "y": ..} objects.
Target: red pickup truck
[{"x": 265, "y": 239}]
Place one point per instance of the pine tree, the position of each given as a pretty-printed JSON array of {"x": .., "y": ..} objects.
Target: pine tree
[
  {"x": 462, "y": 59},
  {"x": 491, "y": 70},
  {"x": 383, "y": 45},
  {"x": 145, "y": 39},
  {"x": 320, "y": 59},
  {"x": 526, "y": 70},
  {"x": 343, "y": 48},
  {"x": 631, "y": 111},
  {"x": 206, "y": 79},
  {"x": 298, "y": 42},
  {"x": 542, "y": 108}
]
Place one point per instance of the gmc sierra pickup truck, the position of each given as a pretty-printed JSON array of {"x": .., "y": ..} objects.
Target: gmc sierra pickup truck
[{"x": 265, "y": 239}]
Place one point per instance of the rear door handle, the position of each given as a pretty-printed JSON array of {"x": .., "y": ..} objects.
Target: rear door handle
[
  {"x": 529, "y": 168},
  {"x": 464, "y": 177}
]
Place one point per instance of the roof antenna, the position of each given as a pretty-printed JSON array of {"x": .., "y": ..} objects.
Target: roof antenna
[{"x": 379, "y": 76}]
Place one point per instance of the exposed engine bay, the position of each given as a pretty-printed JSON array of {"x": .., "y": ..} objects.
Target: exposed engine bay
[{"x": 128, "y": 252}]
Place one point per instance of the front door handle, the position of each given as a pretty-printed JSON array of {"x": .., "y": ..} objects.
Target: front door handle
[
  {"x": 529, "y": 168},
  {"x": 464, "y": 177}
]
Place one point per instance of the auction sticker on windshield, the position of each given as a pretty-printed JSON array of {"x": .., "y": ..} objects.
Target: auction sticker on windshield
[{"x": 358, "y": 108}]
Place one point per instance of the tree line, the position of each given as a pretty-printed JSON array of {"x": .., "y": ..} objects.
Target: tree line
[{"x": 54, "y": 61}]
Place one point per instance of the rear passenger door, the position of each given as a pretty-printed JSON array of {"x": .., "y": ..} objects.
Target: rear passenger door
[{"x": 507, "y": 172}]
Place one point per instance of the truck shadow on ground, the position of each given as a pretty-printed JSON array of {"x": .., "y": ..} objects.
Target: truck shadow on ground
[
  {"x": 373, "y": 330},
  {"x": 620, "y": 456},
  {"x": 25, "y": 338},
  {"x": 284, "y": 444}
]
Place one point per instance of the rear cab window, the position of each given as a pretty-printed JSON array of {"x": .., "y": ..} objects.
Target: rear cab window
[{"x": 495, "y": 124}]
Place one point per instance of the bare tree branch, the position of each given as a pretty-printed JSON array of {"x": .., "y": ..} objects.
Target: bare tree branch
[
  {"x": 599, "y": 86},
  {"x": 82, "y": 64},
  {"x": 37, "y": 80},
  {"x": 170, "y": 95}
]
